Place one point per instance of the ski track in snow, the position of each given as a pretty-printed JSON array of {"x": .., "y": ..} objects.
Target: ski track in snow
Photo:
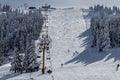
[{"x": 65, "y": 27}]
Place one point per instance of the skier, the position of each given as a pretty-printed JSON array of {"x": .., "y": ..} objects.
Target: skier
[
  {"x": 117, "y": 67},
  {"x": 52, "y": 77},
  {"x": 76, "y": 52},
  {"x": 73, "y": 54},
  {"x": 68, "y": 50},
  {"x": 61, "y": 65}
]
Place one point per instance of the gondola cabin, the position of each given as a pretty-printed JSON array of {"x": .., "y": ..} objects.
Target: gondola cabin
[{"x": 32, "y": 8}]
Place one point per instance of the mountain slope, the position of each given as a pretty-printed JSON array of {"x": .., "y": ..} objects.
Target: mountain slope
[{"x": 69, "y": 33}]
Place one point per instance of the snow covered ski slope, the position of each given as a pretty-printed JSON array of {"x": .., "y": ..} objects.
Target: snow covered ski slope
[
  {"x": 69, "y": 33},
  {"x": 65, "y": 26}
]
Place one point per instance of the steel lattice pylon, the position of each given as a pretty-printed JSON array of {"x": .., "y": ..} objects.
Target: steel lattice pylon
[{"x": 45, "y": 42}]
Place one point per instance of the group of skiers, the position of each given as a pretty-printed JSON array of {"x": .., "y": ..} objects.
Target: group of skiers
[{"x": 74, "y": 53}]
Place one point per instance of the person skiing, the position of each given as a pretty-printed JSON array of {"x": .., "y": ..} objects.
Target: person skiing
[
  {"x": 76, "y": 52},
  {"x": 52, "y": 77},
  {"x": 61, "y": 65},
  {"x": 68, "y": 50},
  {"x": 117, "y": 67}
]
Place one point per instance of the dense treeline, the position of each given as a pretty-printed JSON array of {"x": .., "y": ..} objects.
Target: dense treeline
[
  {"x": 5, "y": 8},
  {"x": 105, "y": 27},
  {"x": 18, "y": 29},
  {"x": 103, "y": 11}
]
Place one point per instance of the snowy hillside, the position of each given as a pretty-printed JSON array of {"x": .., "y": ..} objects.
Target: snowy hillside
[{"x": 70, "y": 32}]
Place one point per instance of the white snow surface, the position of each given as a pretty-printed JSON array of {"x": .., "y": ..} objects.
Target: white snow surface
[{"x": 70, "y": 32}]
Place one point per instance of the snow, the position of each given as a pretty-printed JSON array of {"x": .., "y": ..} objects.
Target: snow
[
  {"x": 70, "y": 32},
  {"x": 64, "y": 33}
]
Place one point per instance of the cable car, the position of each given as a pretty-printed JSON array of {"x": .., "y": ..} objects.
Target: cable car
[
  {"x": 47, "y": 47},
  {"x": 41, "y": 43},
  {"x": 47, "y": 51},
  {"x": 47, "y": 41},
  {"x": 49, "y": 71},
  {"x": 32, "y": 7},
  {"x": 40, "y": 50},
  {"x": 38, "y": 56},
  {"x": 47, "y": 21},
  {"x": 40, "y": 47},
  {"x": 48, "y": 57}
]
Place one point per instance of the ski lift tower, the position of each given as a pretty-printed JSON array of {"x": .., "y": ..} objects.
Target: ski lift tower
[{"x": 44, "y": 42}]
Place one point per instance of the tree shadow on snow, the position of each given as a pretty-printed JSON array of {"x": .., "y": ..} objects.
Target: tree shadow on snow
[
  {"x": 91, "y": 55},
  {"x": 88, "y": 56},
  {"x": 8, "y": 76},
  {"x": 86, "y": 38},
  {"x": 113, "y": 53}
]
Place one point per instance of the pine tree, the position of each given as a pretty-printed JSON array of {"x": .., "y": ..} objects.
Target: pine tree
[
  {"x": 103, "y": 40},
  {"x": 113, "y": 28},
  {"x": 118, "y": 35},
  {"x": 17, "y": 41},
  {"x": 22, "y": 44},
  {"x": 95, "y": 30},
  {"x": 105, "y": 27},
  {"x": 17, "y": 62},
  {"x": 15, "y": 26},
  {"x": 1, "y": 52},
  {"x": 30, "y": 61}
]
